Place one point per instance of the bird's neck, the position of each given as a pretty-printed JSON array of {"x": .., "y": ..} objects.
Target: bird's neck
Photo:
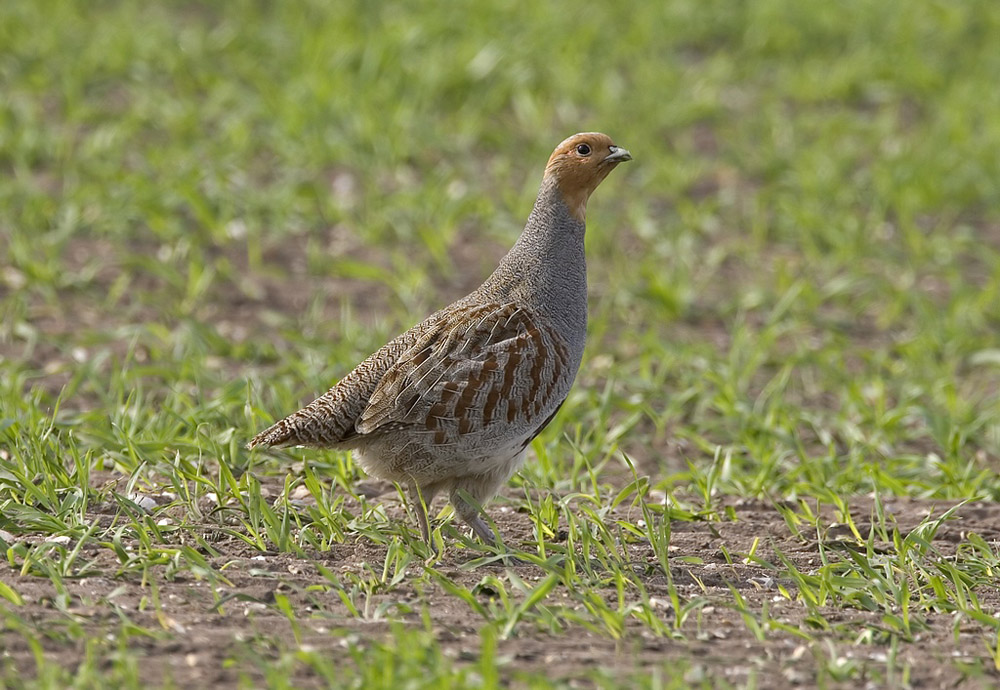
[{"x": 546, "y": 268}]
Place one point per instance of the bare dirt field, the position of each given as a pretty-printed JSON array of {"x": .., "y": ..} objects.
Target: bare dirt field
[{"x": 209, "y": 644}]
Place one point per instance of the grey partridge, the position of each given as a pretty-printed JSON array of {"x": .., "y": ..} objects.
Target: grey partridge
[{"x": 452, "y": 404}]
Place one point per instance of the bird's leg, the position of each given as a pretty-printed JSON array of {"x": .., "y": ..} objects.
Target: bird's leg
[
  {"x": 421, "y": 502},
  {"x": 472, "y": 516},
  {"x": 468, "y": 504}
]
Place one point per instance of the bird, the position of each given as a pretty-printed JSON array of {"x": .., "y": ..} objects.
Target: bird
[{"x": 452, "y": 404}]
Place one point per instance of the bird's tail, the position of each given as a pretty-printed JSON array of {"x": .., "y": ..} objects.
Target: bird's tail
[
  {"x": 275, "y": 436},
  {"x": 323, "y": 423}
]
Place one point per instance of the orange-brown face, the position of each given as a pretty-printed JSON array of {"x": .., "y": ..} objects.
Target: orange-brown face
[{"x": 579, "y": 164}]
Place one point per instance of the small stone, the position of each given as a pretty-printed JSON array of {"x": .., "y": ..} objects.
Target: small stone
[{"x": 144, "y": 501}]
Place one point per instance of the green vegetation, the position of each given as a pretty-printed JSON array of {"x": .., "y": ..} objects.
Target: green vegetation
[{"x": 210, "y": 211}]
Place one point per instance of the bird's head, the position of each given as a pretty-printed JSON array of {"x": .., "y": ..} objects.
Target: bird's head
[{"x": 579, "y": 164}]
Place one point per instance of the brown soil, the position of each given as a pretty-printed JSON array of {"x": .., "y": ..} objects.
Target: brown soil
[{"x": 197, "y": 639}]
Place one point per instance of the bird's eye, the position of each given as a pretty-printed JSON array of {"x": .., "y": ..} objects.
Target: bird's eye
[{"x": 583, "y": 150}]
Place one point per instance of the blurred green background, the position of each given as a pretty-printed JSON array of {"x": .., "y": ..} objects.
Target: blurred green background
[{"x": 210, "y": 211}]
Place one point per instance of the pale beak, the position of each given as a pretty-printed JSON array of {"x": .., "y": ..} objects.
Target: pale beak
[{"x": 617, "y": 155}]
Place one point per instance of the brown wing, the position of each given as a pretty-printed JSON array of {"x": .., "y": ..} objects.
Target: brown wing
[{"x": 484, "y": 366}]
